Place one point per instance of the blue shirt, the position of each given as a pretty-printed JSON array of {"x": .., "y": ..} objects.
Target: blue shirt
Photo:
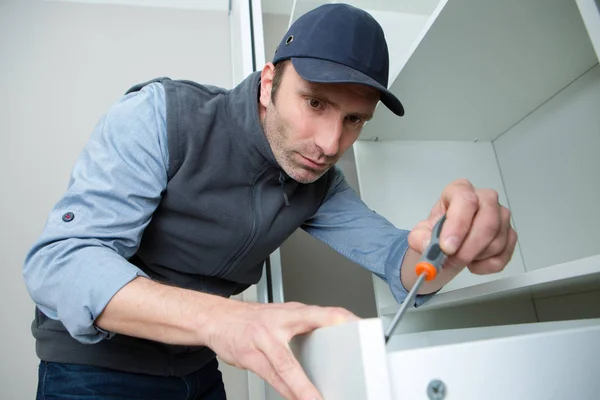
[{"x": 73, "y": 270}]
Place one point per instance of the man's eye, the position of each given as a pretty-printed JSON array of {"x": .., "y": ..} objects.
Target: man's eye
[
  {"x": 314, "y": 103},
  {"x": 354, "y": 120}
]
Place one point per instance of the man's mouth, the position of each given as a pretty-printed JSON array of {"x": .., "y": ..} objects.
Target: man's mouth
[{"x": 312, "y": 163}]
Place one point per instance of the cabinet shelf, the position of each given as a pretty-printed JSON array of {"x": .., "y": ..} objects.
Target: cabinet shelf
[
  {"x": 480, "y": 67},
  {"x": 573, "y": 276}
]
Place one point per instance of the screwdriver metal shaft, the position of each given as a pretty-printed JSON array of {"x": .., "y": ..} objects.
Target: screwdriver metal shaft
[
  {"x": 408, "y": 301},
  {"x": 427, "y": 268}
]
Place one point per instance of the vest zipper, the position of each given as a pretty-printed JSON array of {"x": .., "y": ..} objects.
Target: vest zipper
[
  {"x": 230, "y": 263},
  {"x": 282, "y": 181}
]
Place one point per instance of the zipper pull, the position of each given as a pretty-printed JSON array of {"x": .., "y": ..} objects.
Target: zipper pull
[{"x": 282, "y": 181}]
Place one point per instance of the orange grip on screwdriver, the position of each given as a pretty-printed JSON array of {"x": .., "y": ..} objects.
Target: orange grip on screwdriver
[{"x": 426, "y": 268}]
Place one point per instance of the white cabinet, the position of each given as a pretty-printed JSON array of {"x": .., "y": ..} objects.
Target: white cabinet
[
  {"x": 552, "y": 360},
  {"x": 506, "y": 94}
]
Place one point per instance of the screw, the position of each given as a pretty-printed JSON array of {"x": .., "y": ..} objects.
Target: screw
[{"x": 436, "y": 390}]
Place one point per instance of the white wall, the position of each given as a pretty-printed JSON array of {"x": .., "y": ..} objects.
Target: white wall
[{"x": 61, "y": 66}]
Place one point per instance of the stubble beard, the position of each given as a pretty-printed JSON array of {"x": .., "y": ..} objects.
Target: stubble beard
[{"x": 276, "y": 133}]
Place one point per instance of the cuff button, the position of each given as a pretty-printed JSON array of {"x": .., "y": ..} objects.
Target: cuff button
[{"x": 68, "y": 216}]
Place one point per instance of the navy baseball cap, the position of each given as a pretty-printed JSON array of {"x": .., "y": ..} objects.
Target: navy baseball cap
[{"x": 339, "y": 43}]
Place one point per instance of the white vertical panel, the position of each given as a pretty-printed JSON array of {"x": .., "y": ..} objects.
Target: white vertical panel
[
  {"x": 258, "y": 34},
  {"x": 551, "y": 170},
  {"x": 241, "y": 40},
  {"x": 590, "y": 12},
  {"x": 402, "y": 180},
  {"x": 346, "y": 362},
  {"x": 246, "y": 36}
]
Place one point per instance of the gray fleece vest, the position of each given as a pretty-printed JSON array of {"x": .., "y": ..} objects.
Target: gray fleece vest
[{"x": 226, "y": 207}]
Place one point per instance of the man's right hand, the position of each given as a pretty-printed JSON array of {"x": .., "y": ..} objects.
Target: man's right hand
[
  {"x": 256, "y": 337},
  {"x": 251, "y": 336}
]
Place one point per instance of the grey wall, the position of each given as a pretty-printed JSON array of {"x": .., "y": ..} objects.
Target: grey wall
[
  {"x": 274, "y": 27},
  {"x": 313, "y": 273},
  {"x": 61, "y": 66}
]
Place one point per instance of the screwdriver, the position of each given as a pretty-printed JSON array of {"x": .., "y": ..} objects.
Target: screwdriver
[{"x": 427, "y": 269}]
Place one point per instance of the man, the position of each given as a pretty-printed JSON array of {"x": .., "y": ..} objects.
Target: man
[{"x": 184, "y": 190}]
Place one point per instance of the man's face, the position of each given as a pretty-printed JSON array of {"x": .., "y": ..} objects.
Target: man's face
[{"x": 310, "y": 125}]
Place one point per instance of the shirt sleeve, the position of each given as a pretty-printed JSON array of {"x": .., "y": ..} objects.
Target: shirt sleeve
[
  {"x": 346, "y": 224},
  {"x": 80, "y": 260}
]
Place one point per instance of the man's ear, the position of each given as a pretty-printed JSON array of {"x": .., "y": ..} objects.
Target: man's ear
[{"x": 266, "y": 83}]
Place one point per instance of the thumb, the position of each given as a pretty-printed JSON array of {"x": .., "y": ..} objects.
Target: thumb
[
  {"x": 420, "y": 236},
  {"x": 313, "y": 317}
]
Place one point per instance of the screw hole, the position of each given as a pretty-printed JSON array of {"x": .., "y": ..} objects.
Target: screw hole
[{"x": 436, "y": 390}]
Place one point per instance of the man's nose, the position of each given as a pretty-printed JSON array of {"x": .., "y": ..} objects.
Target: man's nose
[{"x": 328, "y": 137}]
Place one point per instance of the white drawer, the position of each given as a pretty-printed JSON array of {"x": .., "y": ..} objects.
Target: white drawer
[
  {"x": 554, "y": 360},
  {"x": 558, "y": 360}
]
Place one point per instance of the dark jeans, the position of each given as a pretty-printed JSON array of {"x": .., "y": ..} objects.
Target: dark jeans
[{"x": 59, "y": 381}]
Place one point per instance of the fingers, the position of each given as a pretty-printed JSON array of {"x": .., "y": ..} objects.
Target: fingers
[
  {"x": 303, "y": 319},
  {"x": 286, "y": 372},
  {"x": 496, "y": 263},
  {"x": 256, "y": 337},
  {"x": 486, "y": 228},
  {"x": 283, "y": 371},
  {"x": 477, "y": 232},
  {"x": 462, "y": 204},
  {"x": 498, "y": 244},
  {"x": 263, "y": 368},
  {"x": 491, "y": 241}
]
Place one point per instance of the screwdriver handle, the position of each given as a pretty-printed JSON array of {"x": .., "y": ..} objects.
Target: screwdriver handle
[
  {"x": 433, "y": 257},
  {"x": 427, "y": 268}
]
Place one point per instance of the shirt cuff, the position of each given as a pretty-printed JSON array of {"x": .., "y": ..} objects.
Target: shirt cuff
[
  {"x": 392, "y": 272},
  {"x": 91, "y": 290}
]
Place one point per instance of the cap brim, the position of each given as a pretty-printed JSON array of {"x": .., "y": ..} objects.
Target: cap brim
[{"x": 323, "y": 71}]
